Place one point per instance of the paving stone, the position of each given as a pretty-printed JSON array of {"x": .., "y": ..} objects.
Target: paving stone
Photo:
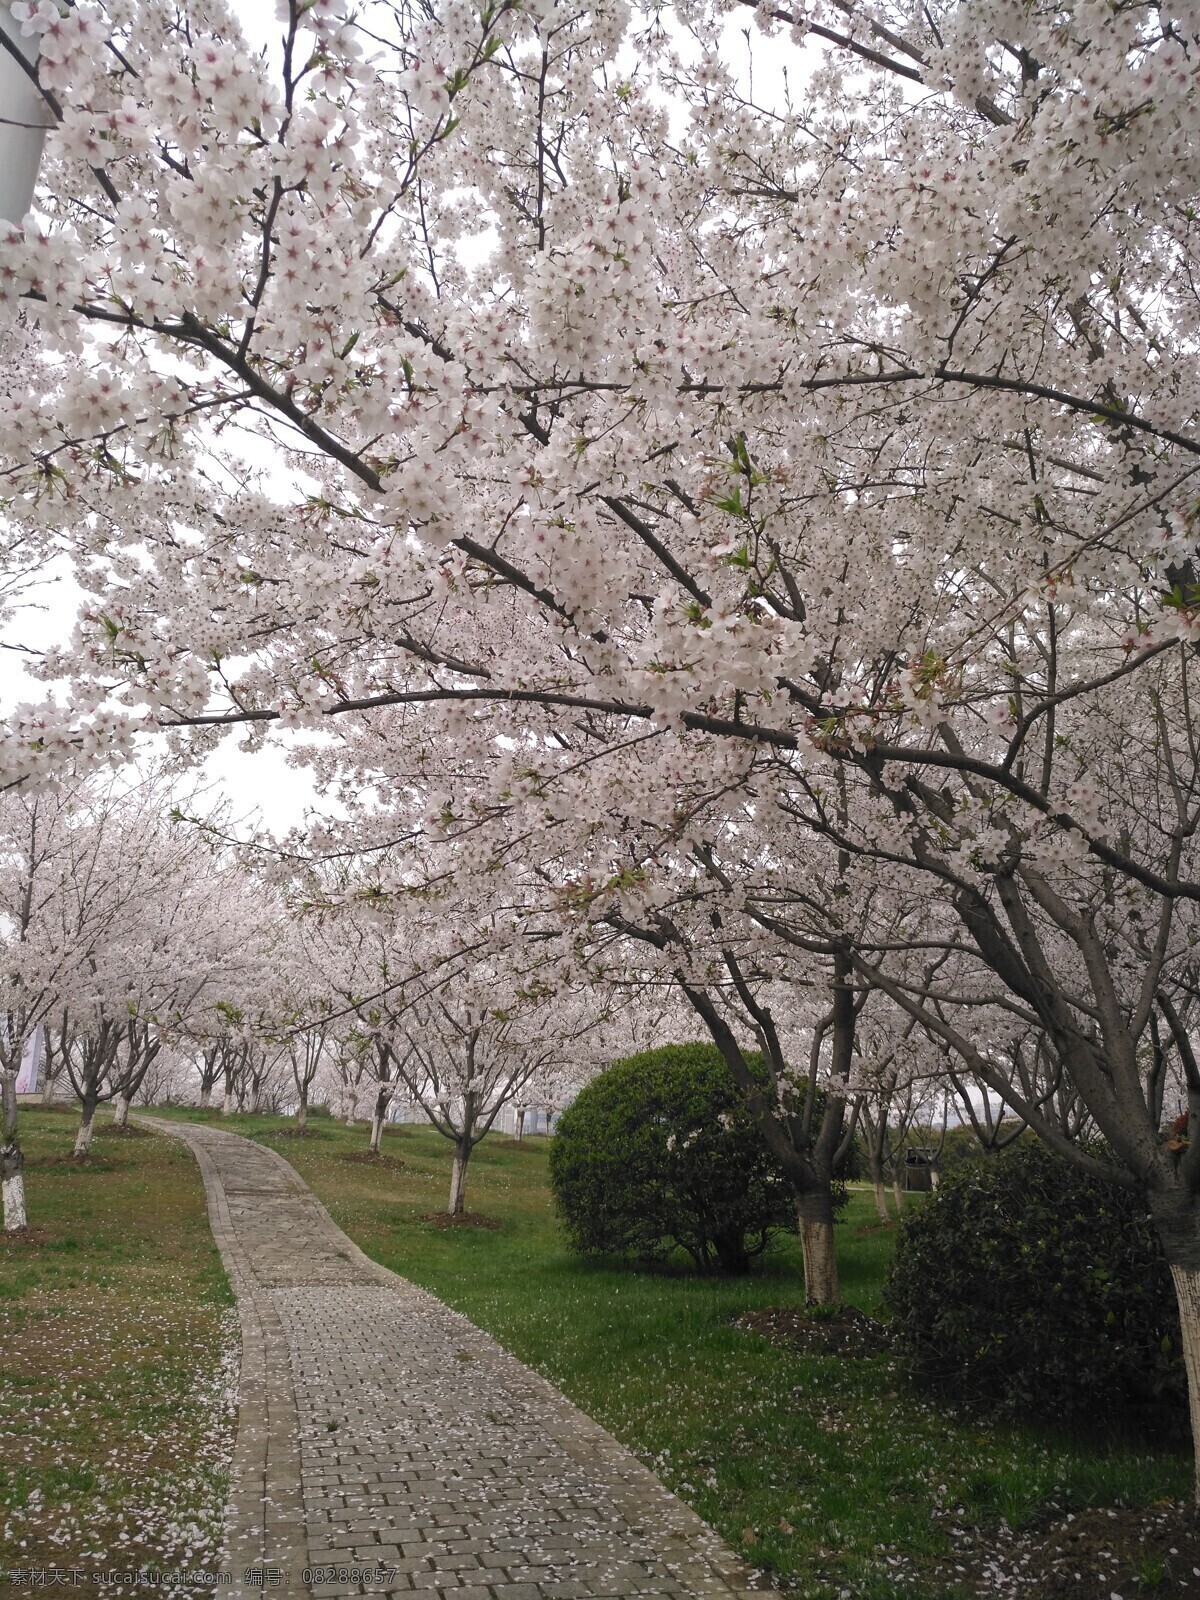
[{"x": 474, "y": 1477}]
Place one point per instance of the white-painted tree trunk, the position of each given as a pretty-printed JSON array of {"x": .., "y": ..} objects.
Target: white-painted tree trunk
[
  {"x": 227, "y": 1104},
  {"x": 12, "y": 1179},
  {"x": 376, "y": 1132},
  {"x": 881, "y": 1205},
  {"x": 83, "y": 1139},
  {"x": 302, "y": 1116},
  {"x": 206, "y": 1098},
  {"x": 898, "y": 1196},
  {"x": 120, "y": 1112},
  {"x": 520, "y": 1123},
  {"x": 821, "y": 1286},
  {"x": 252, "y": 1104},
  {"x": 47, "y": 1091},
  {"x": 12, "y": 1159},
  {"x": 13, "y": 1184}
]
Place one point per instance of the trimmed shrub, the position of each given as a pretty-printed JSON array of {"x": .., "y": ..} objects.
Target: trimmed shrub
[
  {"x": 658, "y": 1152},
  {"x": 1026, "y": 1285}
]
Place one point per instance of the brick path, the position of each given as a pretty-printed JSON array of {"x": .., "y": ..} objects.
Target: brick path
[{"x": 380, "y": 1431}]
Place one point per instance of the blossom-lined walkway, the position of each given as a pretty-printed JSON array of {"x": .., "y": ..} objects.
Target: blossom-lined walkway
[{"x": 386, "y": 1445}]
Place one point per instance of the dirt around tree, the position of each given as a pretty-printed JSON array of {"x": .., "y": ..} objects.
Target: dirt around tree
[
  {"x": 844, "y": 1331},
  {"x": 1098, "y": 1554},
  {"x": 460, "y": 1219},
  {"x": 1094, "y": 1555},
  {"x": 370, "y": 1158}
]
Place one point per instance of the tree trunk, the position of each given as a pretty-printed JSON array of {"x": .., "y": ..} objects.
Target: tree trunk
[
  {"x": 731, "y": 1253},
  {"x": 252, "y": 1104},
  {"x": 383, "y": 1100},
  {"x": 875, "y": 1167},
  {"x": 227, "y": 1104},
  {"x": 458, "y": 1178},
  {"x": 87, "y": 1124},
  {"x": 815, "y": 1212},
  {"x": 12, "y": 1180},
  {"x": 898, "y": 1195},
  {"x": 12, "y": 1159},
  {"x": 302, "y": 1115},
  {"x": 48, "y": 1091},
  {"x": 1176, "y": 1217},
  {"x": 206, "y": 1097},
  {"x": 1187, "y": 1293},
  {"x": 121, "y": 1112},
  {"x": 520, "y": 1123}
]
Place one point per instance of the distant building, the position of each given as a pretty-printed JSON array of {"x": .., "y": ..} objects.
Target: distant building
[{"x": 537, "y": 1121}]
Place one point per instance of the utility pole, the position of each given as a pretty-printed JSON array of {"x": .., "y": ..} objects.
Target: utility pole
[{"x": 24, "y": 117}]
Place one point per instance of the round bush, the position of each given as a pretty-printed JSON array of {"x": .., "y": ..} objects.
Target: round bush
[
  {"x": 659, "y": 1151},
  {"x": 1024, "y": 1284}
]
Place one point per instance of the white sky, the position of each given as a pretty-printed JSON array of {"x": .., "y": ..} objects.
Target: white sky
[{"x": 259, "y": 784}]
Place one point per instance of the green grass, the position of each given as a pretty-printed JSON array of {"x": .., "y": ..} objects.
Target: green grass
[
  {"x": 824, "y": 1471},
  {"x": 115, "y": 1315}
]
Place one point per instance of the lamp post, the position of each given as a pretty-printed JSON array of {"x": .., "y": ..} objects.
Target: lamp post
[
  {"x": 23, "y": 119},
  {"x": 23, "y": 124}
]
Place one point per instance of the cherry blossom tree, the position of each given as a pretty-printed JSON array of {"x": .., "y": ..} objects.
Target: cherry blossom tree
[
  {"x": 55, "y": 1037},
  {"x": 456, "y": 1001},
  {"x": 172, "y": 937},
  {"x": 262, "y": 1081},
  {"x": 167, "y": 1081},
  {"x": 632, "y": 435},
  {"x": 351, "y": 1062},
  {"x": 356, "y": 960},
  {"x": 474, "y": 1047},
  {"x": 65, "y": 900},
  {"x": 114, "y": 920},
  {"x": 234, "y": 1027},
  {"x": 895, "y": 1083},
  {"x": 304, "y": 1052},
  {"x": 33, "y": 850},
  {"x": 111, "y": 1055},
  {"x": 209, "y": 1064}
]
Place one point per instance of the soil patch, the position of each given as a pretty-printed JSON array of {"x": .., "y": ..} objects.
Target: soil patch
[
  {"x": 847, "y": 1332},
  {"x": 367, "y": 1158},
  {"x": 1153, "y": 1551},
  {"x": 466, "y": 1219},
  {"x": 26, "y": 1239},
  {"x": 96, "y": 1160}
]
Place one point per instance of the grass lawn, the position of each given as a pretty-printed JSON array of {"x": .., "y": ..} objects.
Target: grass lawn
[
  {"x": 118, "y": 1352},
  {"x": 822, "y": 1470}
]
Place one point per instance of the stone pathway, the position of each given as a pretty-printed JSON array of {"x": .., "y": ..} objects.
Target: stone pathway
[{"x": 386, "y": 1445}]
